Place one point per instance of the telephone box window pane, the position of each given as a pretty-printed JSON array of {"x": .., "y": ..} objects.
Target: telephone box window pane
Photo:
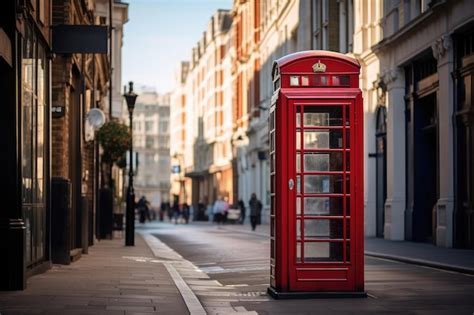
[
  {"x": 348, "y": 206},
  {"x": 348, "y": 161},
  {"x": 272, "y": 205},
  {"x": 272, "y": 226},
  {"x": 304, "y": 80},
  {"x": 298, "y": 116},
  {"x": 348, "y": 139},
  {"x": 298, "y": 229},
  {"x": 272, "y": 248},
  {"x": 323, "y": 206},
  {"x": 315, "y": 116},
  {"x": 316, "y": 229},
  {"x": 327, "y": 229},
  {"x": 348, "y": 115},
  {"x": 298, "y": 163},
  {"x": 322, "y": 139},
  {"x": 317, "y": 252},
  {"x": 298, "y": 140},
  {"x": 344, "y": 80},
  {"x": 298, "y": 206},
  {"x": 294, "y": 80},
  {"x": 298, "y": 184},
  {"x": 298, "y": 252},
  {"x": 323, "y": 184},
  {"x": 323, "y": 162}
]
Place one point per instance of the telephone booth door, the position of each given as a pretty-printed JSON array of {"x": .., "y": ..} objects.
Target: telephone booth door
[{"x": 320, "y": 203}]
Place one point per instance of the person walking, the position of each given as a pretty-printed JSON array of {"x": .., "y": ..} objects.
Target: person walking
[
  {"x": 186, "y": 212},
  {"x": 255, "y": 211},
  {"x": 242, "y": 211},
  {"x": 141, "y": 206}
]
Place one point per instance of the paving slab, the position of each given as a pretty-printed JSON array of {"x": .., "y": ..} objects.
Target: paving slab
[{"x": 111, "y": 279}]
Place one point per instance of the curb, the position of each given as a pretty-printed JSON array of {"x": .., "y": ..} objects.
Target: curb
[
  {"x": 190, "y": 299},
  {"x": 422, "y": 262}
]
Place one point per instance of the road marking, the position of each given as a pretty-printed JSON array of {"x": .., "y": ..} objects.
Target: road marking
[
  {"x": 192, "y": 302},
  {"x": 160, "y": 249}
]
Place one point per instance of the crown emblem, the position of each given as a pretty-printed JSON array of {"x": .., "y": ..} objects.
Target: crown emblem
[{"x": 319, "y": 67}]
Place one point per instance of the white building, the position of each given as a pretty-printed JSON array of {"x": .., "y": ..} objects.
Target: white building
[{"x": 151, "y": 142}]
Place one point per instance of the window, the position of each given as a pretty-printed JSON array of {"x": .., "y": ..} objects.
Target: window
[
  {"x": 34, "y": 101},
  {"x": 149, "y": 126},
  {"x": 332, "y": 25},
  {"x": 150, "y": 142}
]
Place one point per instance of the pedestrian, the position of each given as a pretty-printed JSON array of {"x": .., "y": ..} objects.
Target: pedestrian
[
  {"x": 225, "y": 209},
  {"x": 185, "y": 212},
  {"x": 217, "y": 210},
  {"x": 141, "y": 206},
  {"x": 242, "y": 211},
  {"x": 255, "y": 211}
]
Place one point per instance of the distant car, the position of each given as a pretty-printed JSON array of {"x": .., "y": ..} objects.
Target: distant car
[{"x": 233, "y": 215}]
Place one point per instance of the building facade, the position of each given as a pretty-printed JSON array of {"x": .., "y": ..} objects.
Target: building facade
[
  {"x": 426, "y": 65},
  {"x": 179, "y": 131},
  {"x": 207, "y": 158},
  {"x": 151, "y": 142},
  {"x": 25, "y": 59},
  {"x": 46, "y": 98}
]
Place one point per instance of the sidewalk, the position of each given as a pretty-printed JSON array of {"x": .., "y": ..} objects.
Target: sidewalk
[
  {"x": 424, "y": 254},
  {"x": 111, "y": 279}
]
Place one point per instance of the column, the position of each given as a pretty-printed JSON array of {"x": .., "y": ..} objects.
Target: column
[
  {"x": 443, "y": 52},
  {"x": 396, "y": 168}
]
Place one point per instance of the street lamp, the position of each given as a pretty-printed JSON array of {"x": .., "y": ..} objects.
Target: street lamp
[{"x": 130, "y": 97}]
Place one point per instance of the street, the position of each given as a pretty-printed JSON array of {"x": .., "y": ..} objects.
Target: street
[{"x": 237, "y": 264}]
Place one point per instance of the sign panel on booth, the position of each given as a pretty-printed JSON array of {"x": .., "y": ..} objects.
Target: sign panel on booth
[{"x": 316, "y": 176}]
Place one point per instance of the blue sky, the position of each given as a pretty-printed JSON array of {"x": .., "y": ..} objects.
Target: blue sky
[{"x": 159, "y": 34}]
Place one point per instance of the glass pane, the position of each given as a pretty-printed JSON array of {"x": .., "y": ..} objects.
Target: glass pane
[
  {"x": 322, "y": 184},
  {"x": 348, "y": 138},
  {"x": 298, "y": 206},
  {"x": 298, "y": 140},
  {"x": 348, "y": 161},
  {"x": 298, "y": 163},
  {"x": 298, "y": 118},
  {"x": 27, "y": 117},
  {"x": 298, "y": 229},
  {"x": 298, "y": 252},
  {"x": 328, "y": 229},
  {"x": 315, "y": 116},
  {"x": 320, "y": 251},
  {"x": 348, "y": 113},
  {"x": 323, "y": 206},
  {"x": 272, "y": 248},
  {"x": 348, "y": 206},
  {"x": 323, "y": 139},
  {"x": 272, "y": 226},
  {"x": 323, "y": 162},
  {"x": 298, "y": 184}
]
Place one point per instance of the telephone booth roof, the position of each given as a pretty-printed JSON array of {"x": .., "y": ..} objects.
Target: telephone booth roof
[{"x": 302, "y": 62}]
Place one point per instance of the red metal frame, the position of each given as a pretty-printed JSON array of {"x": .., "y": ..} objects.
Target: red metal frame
[{"x": 289, "y": 274}]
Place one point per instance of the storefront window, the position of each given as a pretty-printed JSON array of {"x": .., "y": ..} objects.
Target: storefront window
[{"x": 34, "y": 87}]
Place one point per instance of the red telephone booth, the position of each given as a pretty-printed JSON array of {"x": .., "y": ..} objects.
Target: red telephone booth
[{"x": 316, "y": 175}]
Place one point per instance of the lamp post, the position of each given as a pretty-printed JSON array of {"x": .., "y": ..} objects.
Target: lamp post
[{"x": 130, "y": 97}]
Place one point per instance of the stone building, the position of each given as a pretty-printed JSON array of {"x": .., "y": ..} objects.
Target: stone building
[
  {"x": 25, "y": 59},
  {"x": 207, "y": 158},
  {"x": 426, "y": 59},
  {"x": 46, "y": 97},
  {"x": 151, "y": 142}
]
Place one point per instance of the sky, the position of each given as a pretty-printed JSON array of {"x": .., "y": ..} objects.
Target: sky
[{"x": 160, "y": 34}]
